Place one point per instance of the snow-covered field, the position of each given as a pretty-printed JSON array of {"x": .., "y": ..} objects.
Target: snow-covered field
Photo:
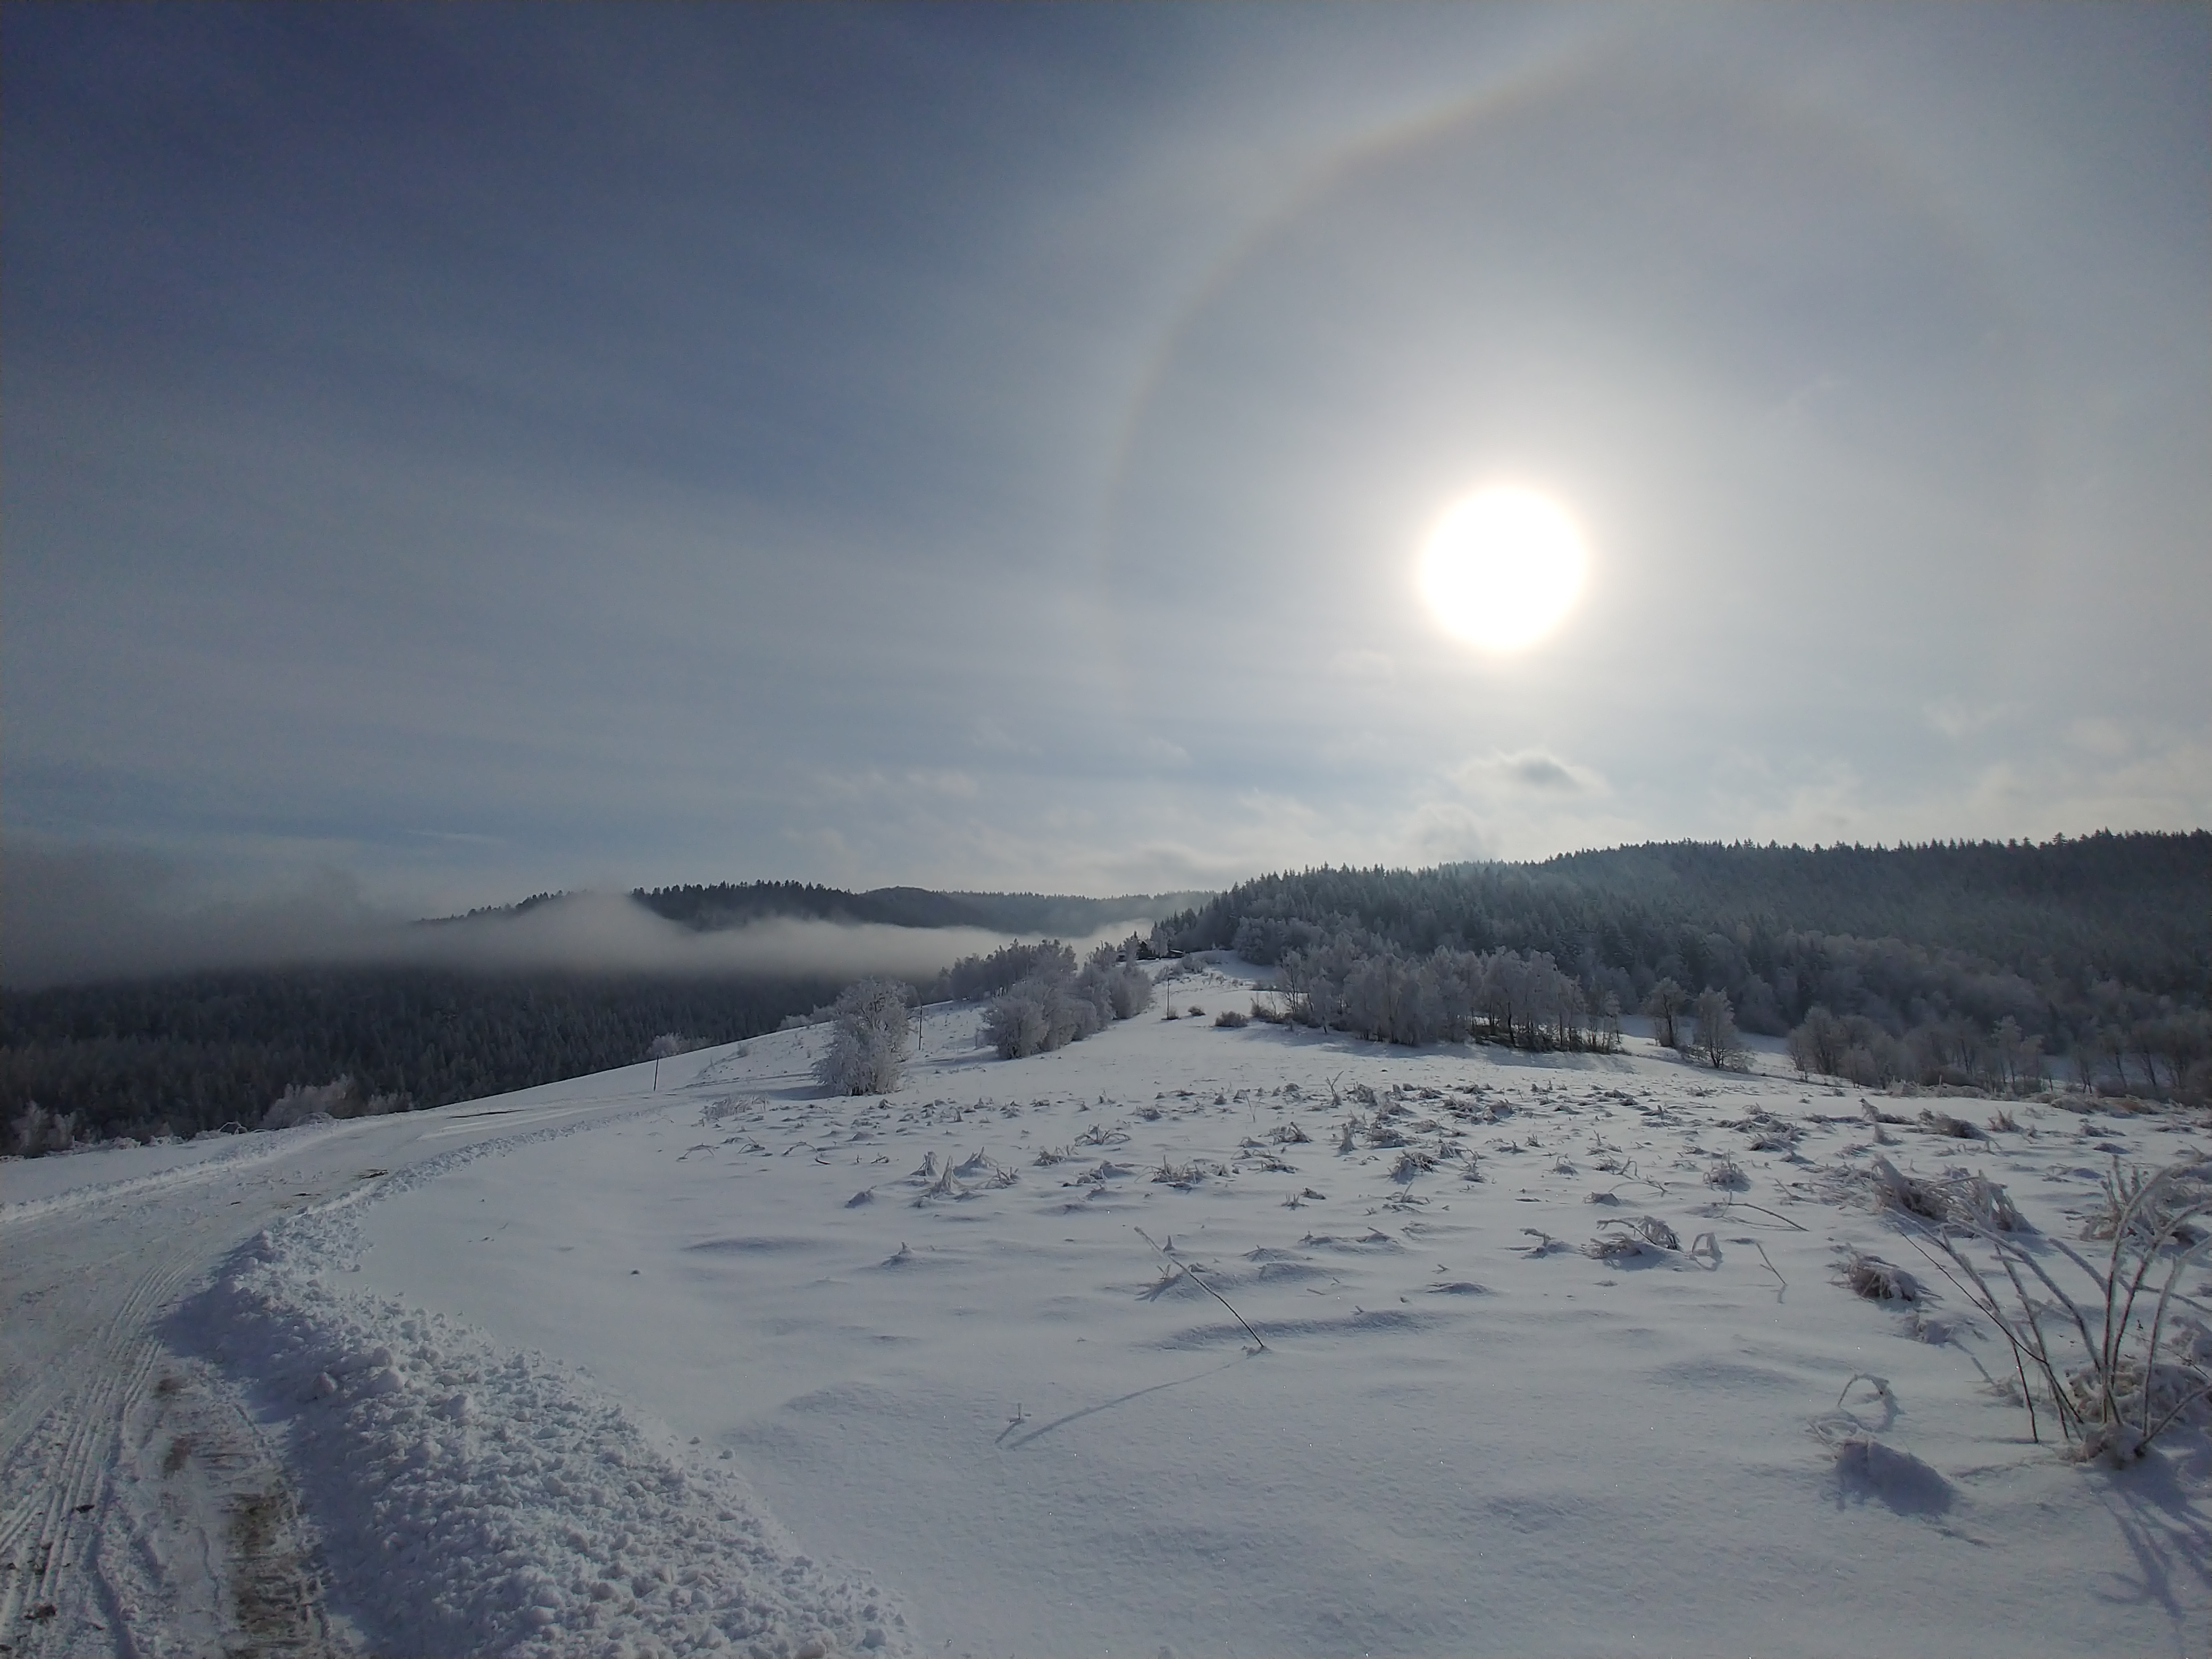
[{"x": 734, "y": 1365}]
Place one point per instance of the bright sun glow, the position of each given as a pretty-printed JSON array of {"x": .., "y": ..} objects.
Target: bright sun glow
[{"x": 1501, "y": 567}]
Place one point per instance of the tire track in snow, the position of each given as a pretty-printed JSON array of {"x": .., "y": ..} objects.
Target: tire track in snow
[
  {"x": 94, "y": 1555},
  {"x": 57, "y": 1466},
  {"x": 86, "y": 1570}
]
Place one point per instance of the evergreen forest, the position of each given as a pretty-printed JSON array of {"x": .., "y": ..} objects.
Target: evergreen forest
[{"x": 1968, "y": 963}]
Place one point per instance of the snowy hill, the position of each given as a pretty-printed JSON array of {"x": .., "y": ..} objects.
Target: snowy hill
[{"x": 1220, "y": 1340}]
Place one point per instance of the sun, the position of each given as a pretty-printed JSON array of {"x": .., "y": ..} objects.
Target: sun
[{"x": 1502, "y": 567}]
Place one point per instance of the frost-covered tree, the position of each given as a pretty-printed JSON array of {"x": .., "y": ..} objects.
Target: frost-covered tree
[
  {"x": 1665, "y": 1005},
  {"x": 341, "y": 1096},
  {"x": 304, "y": 1102},
  {"x": 1821, "y": 1044},
  {"x": 1055, "y": 1006},
  {"x": 2019, "y": 1057},
  {"x": 982, "y": 976},
  {"x": 1371, "y": 988},
  {"x": 1122, "y": 989},
  {"x": 1038, "y": 1015},
  {"x": 38, "y": 1130},
  {"x": 867, "y": 1039},
  {"x": 1718, "y": 1043}
]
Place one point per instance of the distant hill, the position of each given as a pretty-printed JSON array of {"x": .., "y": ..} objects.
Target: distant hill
[
  {"x": 732, "y": 905},
  {"x": 2100, "y": 946},
  {"x": 735, "y": 904},
  {"x": 2138, "y": 906},
  {"x": 2133, "y": 907},
  {"x": 184, "y": 1052}
]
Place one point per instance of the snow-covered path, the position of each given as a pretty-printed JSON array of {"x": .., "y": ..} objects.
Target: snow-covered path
[{"x": 141, "y": 1509}]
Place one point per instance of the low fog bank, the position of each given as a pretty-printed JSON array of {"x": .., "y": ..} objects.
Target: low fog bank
[
  {"x": 73, "y": 916},
  {"x": 611, "y": 932}
]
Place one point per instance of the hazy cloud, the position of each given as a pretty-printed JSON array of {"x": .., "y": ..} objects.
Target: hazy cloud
[
  {"x": 2103, "y": 738},
  {"x": 1356, "y": 666},
  {"x": 1956, "y": 717}
]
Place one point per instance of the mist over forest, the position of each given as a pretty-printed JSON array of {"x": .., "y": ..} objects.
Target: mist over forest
[{"x": 1985, "y": 964}]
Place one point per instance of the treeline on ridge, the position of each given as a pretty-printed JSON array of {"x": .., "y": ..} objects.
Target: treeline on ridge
[
  {"x": 734, "y": 904},
  {"x": 1963, "y": 961}
]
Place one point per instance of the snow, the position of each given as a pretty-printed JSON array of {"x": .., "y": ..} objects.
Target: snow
[
  {"x": 478, "y": 1500},
  {"x": 736, "y": 1368}
]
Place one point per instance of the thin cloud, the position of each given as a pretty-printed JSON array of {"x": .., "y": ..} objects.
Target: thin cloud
[{"x": 1528, "y": 770}]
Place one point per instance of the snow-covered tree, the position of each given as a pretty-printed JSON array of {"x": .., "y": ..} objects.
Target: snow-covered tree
[
  {"x": 1718, "y": 1043},
  {"x": 341, "y": 1096},
  {"x": 38, "y": 1130},
  {"x": 980, "y": 976},
  {"x": 1665, "y": 1006},
  {"x": 1821, "y": 1044},
  {"x": 1120, "y": 988},
  {"x": 1054, "y": 1006},
  {"x": 868, "y": 1039}
]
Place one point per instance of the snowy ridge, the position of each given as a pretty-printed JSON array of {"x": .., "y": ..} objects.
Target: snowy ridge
[{"x": 471, "y": 1498}]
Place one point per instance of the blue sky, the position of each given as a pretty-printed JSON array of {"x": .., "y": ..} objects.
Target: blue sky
[{"x": 458, "y": 451}]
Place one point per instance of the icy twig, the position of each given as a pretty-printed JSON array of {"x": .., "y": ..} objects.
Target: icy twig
[{"x": 1196, "y": 1279}]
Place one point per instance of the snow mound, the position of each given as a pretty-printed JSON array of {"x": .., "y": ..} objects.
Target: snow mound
[{"x": 473, "y": 1499}]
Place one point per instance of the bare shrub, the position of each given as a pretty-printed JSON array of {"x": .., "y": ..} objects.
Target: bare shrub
[
  {"x": 1877, "y": 1281},
  {"x": 1171, "y": 1174},
  {"x": 2147, "y": 1202},
  {"x": 2124, "y": 1379},
  {"x": 728, "y": 1106},
  {"x": 1410, "y": 1162},
  {"x": 1957, "y": 1198},
  {"x": 1632, "y": 1239}
]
